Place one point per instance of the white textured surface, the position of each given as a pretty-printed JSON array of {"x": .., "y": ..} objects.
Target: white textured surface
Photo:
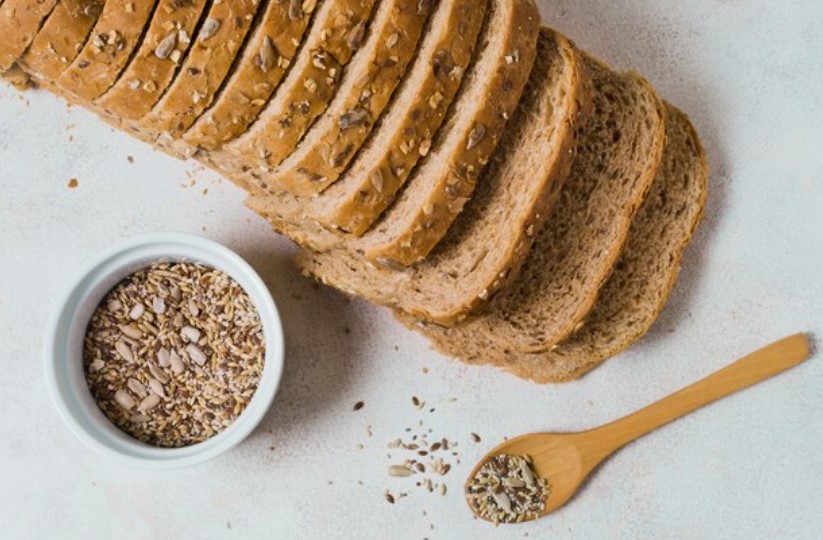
[{"x": 750, "y": 75}]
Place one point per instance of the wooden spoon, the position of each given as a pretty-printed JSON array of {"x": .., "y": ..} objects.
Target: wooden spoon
[{"x": 566, "y": 459}]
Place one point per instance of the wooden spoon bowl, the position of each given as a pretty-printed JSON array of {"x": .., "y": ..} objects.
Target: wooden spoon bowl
[{"x": 566, "y": 459}]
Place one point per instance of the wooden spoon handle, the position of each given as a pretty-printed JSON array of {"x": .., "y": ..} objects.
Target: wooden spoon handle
[{"x": 747, "y": 371}]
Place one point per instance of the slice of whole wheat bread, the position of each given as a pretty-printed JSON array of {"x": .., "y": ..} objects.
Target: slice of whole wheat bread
[
  {"x": 405, "y": 133},
  {"x": 115, "y": 36},
  {"x": 441, "y": 184},
  {"x": 265, "y": 62},
  {"x": 151, "y": 71},
  {"x": 20, "y": 21},
  {"x": 576, "y": 250},
  {"x": 61, "y": 38},
  {"x": 635, "y": 294},
  {"x": 338, "y": 30},
  {"x": 368, "y": 85},
  {"x": 486, "y": 245}
]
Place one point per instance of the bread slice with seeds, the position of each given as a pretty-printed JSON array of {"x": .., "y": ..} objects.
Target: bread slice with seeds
[
  {"x": 337, "y": 32},
  {"x": 114, "y": 38},
  {"x": 217, "y": 44},
  {"x": 61, "y": 38},
  {"x": 442, "y": 183},
  {"x": 155, "y": 64},
  {"x": 20, "y": 21},
  {"x": 368, "y": 84},
  {"x": 265, "y": 62},
  {"x": 489, "y": 241},
  {"x": 576, "y": 250},
  {"x": 405, "y": 134},
  {"x": 635, "y": 294}
]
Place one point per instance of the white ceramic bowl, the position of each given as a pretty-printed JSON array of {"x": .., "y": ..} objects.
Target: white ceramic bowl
[{"x": 67, "y": 327}]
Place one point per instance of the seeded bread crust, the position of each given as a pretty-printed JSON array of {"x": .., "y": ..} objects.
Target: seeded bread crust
[
  {"x": 575, "y": 252},
  {"x": 61, "y": 38},
  {"x": 487, "y": 244},
  {"x": 114, "y": 38},
  {"x": 405, "y": 134},
  {"x": 368, "y": 84},
  {"x": 446, "y": 177},
  {"x": 156, "y": 62},
  {"x": 266, "y": 60},
  {"x": 20, "y": 21},
  {"x": 337, "y": 32},
  {"x": 635, "y": 294},
  {"x": 210, "y": 58}
]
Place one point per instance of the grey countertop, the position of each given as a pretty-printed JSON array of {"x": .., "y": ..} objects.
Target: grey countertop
[{"x": 749, "y": 73}]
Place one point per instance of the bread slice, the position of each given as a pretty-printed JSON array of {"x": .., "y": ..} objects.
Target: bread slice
[
  {"x": 156, "y": 62},
  {"x": 114, "y": 38},
  {"x": 368, "y": 84},
  {"x": 266, "y": 59},
  {"x": 485, "y": 247},
  {"x": 61, "y": 38},
  {"x": 337, "y": 32},
  {"x": 20, "y": 20},
  {"x": 576, "y": 250},
  {"x": 633, "y": 297},
  {"x": 212, "y": 54},
  {"x": 442, "y": 182},
  {"x": 405, "y": 133}
]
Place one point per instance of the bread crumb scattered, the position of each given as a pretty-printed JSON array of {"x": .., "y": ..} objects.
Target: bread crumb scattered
[{"x": 73, "y": 183}]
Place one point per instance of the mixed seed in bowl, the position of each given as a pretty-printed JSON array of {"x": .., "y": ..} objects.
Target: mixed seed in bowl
[{"x": 174, "y": 353}]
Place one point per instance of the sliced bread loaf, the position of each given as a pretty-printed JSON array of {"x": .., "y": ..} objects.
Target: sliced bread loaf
[
  {"x": 266, "y": 59},
  {"x": 115, "y": 36},
  {"x": 20, "y": 21},
  {"x": 488, "y": 242},
  {"x": 368, "y": 84},
  {"x": 337, "y": 32},
  {"x": 633, "y": 297},
  {"x": 212, "y": 54},
  {"x": 155, "y": 64},
  {"x": 440, "y": 185},
  {"x": 405, "y": 134},
  {"x": 61, "y": 38}
]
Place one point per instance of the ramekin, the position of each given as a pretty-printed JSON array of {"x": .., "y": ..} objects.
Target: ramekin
[{"x": 63, "y": 352}]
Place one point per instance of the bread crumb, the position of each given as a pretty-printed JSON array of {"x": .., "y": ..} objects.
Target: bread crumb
[{"x": 73, "y": 183}]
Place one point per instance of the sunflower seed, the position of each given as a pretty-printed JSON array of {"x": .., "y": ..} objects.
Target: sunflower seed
[
  {"x": 166, "y": 46},
  {"x": 157, "y": 387},
  {"x": 137, "y": 311},
  {"x": 129, "y": 330},
  {"x": 163, "y": 357},
  {"x": 197, "y": 356},
  {"x": 158, "y": 373},
  {"x": 149, "y": 402},
  {"x": 137, "y": 387},
  {"x": 400, "y": 471},
  {"x": 124, "y": 399},
  {"x": 158, "y": 305},
  {"x": 190, "y": 333},
  {"x": 268, "y": 56},
  {"x": 478, "y": 133},
  {"x": 176, "y": 363},
  {"x": 210, "y": 28},
  {"x": 124, "y": 351}
]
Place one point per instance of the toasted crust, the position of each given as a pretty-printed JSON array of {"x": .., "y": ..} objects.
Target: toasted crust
[
  {"x": 405, "y": 133},
  {"x": 265, "y": 62},
  {"x": 488, "y": 97},
  {"x": 154, "y": 65},
  {"x": 487, "y": 244},
  {"x": 113, "y": 39},
  {"x": 368, "y": 85},
  {"x": 210, "y": 58},
  {"x": 635, "y": 294},
  {"x": 20, "y": 20},
  {"x": 336, "y": 33},
  {"x": 61, "y": 38}
]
